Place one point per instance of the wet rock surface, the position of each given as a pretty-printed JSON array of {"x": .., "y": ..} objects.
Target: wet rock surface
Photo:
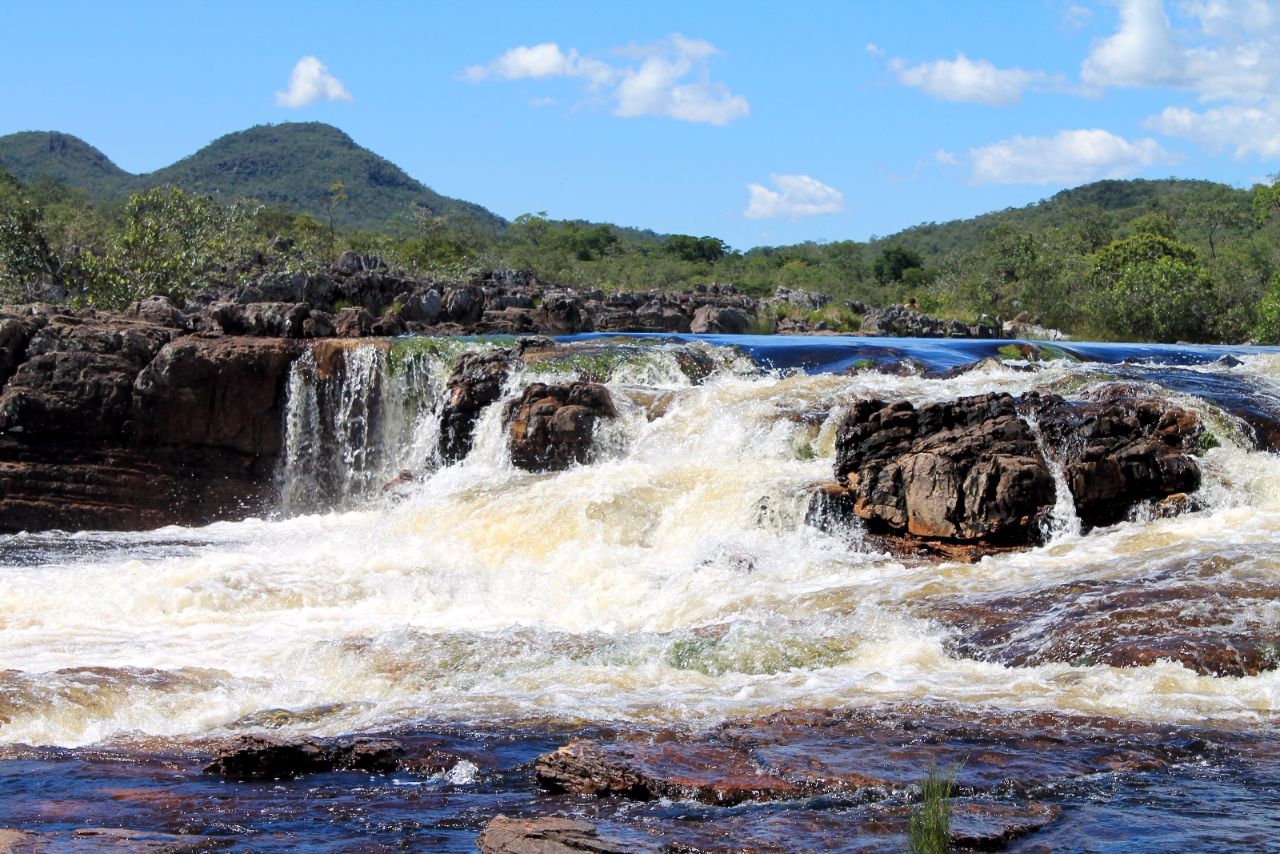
[
  {"x": 261, "y": 758},
  {"x": 552, "y": 835},
  {"x": 550, "y": 426},
  {"x": 1117, "y": 449},
  {"x": 972, "y": 474},
  {"x": 476, "y": 382},
  {"x": 1045, "y": 780},
  {"x": 1196, "y": 616},
  {"x": 967, "y": 470}
]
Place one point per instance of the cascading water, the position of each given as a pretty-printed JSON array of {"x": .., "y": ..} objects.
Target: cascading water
[
  {"x": 673, "y": 576},
  {"x": 356, "y": 417}
]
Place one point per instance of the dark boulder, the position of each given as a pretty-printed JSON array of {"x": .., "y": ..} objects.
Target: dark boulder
[
  {"x": 727, "y": 321},
  {"x": 967, "y": 470},
  {"x": 475, "y": 383},
  {"x": 1118, "y": 449},
  {"x": 550, "y": 427},
  {"x": 255, "y": 757}
]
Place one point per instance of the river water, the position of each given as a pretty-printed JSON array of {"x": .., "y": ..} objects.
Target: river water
[{"x": 673, "y": 580}]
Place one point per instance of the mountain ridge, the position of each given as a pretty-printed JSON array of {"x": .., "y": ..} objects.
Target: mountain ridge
[{"x": 291, "y": 165}]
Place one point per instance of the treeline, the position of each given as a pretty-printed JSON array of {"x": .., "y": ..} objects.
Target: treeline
[{"x": 1164, "y": 261}]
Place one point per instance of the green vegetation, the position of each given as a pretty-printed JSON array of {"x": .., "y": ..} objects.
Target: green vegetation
[
  {"x": 929, "y": 827},
  {"x": 1123, "y": 260}
]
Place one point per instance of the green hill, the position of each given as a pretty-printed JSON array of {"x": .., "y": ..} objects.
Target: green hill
[
  {"x": 288, "y": 165},
  {"x": 1118, "y": 202},
  {"x": 32, "y": 155}
]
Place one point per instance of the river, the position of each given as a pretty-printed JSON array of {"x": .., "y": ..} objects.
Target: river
[{"x": 674, "y": 581}]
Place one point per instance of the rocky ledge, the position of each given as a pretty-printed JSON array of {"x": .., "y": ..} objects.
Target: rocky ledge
[{"x": 976, "y": 475}]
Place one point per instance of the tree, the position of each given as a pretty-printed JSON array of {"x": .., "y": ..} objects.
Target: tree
[
  {"x": 172, "y": 242},
  {"x": 27, "y": 263},
  {"x": 687, "y": 248},
  {"x": 336, "y": 196},
  {"x": 1267, "y": 329},
  {"x": 893, "y": 262},
  {"x": 1151, "y": 288},
  {"x": 1266, "y": 200}
]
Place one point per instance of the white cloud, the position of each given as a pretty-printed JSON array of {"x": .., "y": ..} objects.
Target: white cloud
[
  {"x": 1244, "y": 130},
  {"x": 1077, "y": 16},
  {"x": 1225, "y": 51},
  {"x": 964, "y": 79},
  {"x": 1141, "y": 53},
  {"x": 796, "y": 196},
  {"x": 942, "y": 157},
  {"x": 669, "y": 78},
  {"x": 309, "y": 82},
  {"x": 1069, "y": 157}
]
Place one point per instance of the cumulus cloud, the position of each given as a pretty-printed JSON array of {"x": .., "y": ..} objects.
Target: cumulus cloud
[
  {"x": 669, "y": 78},
  {"x": 1068, "y": 157},
  {"x": 794, "y": 196},
  {"x": 942, "y": 157},
  {"x": 1240, "y": 129},
  {"x": 1225, "y": 51},
  {"x": 964, "y": 79},
  {"x": 1140, "y": 53},
  {"x": 310, "y": 82}
]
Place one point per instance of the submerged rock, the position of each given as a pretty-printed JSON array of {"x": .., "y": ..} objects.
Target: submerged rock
[
  {"x": 647, "y": 770},
  {"x": 1199, "y": 617},
  {"x": 550, "y": 426}
]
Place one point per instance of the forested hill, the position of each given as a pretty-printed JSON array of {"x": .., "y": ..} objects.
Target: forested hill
[
  {"x": 1110, "y": 205},
  {"x": 287, "y": 165}
]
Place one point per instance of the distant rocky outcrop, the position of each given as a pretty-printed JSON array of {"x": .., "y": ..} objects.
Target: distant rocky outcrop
[{"x": 905, "y": 322}]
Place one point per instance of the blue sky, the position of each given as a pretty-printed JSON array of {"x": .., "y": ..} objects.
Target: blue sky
[{"x": 751, "y": 121}]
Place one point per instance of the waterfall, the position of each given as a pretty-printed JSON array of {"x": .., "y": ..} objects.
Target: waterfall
[
  {"x": 1063, "y": 520},
  {"x": 357, "y": 416}
]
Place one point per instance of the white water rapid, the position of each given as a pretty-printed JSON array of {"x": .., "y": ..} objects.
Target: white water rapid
[{"x": 672, "y": 578}]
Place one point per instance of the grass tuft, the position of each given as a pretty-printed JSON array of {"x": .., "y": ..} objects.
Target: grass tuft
[{"x": 929, "y": 828}]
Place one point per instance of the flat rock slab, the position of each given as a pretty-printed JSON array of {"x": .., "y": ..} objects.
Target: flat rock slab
[
  {"x": 867, "y": 753},
  {"x": 975, "y": 825},
  {"x": 1189, "y": 615},
  {"x": 645, "y": 770},
  {"x": 552, "y": 835},
  {"x": 91, "y": 840}
]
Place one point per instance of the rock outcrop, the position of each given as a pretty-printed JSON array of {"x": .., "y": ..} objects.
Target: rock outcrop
[
  {"x": 476, "y": 382},
  {"x": 115, "y": 423},
  {"x": 254, "y": 757},
  {"x": 550, "y": 426},
  {"x": 972, "y": 473}
]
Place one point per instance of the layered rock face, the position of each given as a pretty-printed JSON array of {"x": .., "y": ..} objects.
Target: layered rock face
[
  {"x": 972, "y": 472},
  {"x": 112, "y": 423}
]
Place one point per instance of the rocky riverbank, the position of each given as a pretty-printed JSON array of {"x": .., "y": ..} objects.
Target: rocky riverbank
[{"x": 844, "y": 779}]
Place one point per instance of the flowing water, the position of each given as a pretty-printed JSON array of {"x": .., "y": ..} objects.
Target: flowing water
[{"x": 674, "y": 579}]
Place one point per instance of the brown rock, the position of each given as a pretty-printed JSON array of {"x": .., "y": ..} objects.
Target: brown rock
[
  {"x": 550, "y": 427},
  {"x": 648, "y": 770},
  {"x": 968, "y": 470},
  {"x": 506, "y": 835},
  {"x": 475, "y": 383},
  {"x": 1189, "y": 615}
]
